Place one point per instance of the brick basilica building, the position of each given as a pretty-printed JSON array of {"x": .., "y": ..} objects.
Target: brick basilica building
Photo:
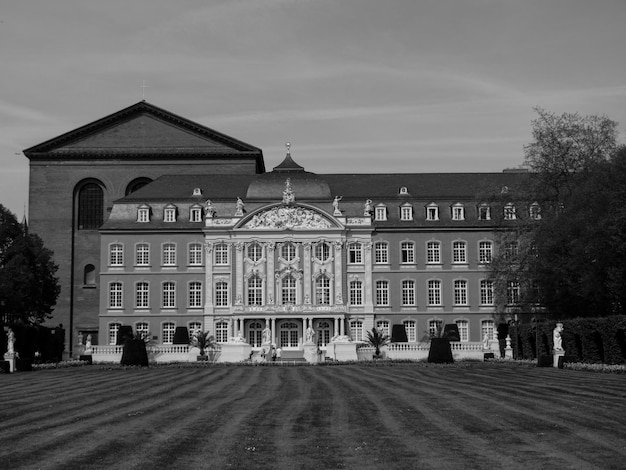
[{"x": 158, "y": 222}]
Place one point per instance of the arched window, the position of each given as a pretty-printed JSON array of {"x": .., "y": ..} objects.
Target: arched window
[
  {"x": 323, "y": 333},
  {"x": 136, "y": 184},
  {"x": 255, "y": 332},
  {"x": 90, "y": 206},
  {"x": 322, "y": 290},
  {"x": 89, "y": 275},
  {"x": 255, "y": 290},
  {"x": 288, "y": 290}
]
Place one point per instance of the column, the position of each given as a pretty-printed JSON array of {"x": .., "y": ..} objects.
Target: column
[
  {"x": 369, "y": 291},
  {"x": 338, "y": 273},
  {"x": 269, "y": 278},
  {"x": 306, "y": 278},
  {"x": 239, "y": 247},
  {"x": 273, "y": 330},
  {"x": 208, "y": 277}
]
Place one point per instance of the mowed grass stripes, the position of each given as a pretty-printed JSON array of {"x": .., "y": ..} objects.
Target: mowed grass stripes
[{"x": 353, "y": 416}]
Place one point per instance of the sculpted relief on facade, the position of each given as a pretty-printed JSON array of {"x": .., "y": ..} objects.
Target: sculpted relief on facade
[{"x": 288, "y": 218}]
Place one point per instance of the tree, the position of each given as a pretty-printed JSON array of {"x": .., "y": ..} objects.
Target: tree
[
  {"x": 28, "y": 286},
  {"x": 568, "y": 257},
  {"x": 377, "y": 339}
]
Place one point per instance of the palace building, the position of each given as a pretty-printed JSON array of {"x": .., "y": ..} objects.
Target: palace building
[{"x": 157, "y": 222}]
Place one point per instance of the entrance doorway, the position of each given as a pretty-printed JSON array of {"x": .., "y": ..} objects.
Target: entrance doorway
[{"x": 289, "y": 335}]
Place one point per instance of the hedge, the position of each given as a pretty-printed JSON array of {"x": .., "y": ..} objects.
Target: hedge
[{"x": 589, "y": 340}]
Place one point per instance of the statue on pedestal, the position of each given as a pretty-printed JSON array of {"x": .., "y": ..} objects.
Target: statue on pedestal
[
  {"x": 310, "y": 334},
  {"x": 10, "y": 342},
  {"x": 556, "y": 337}
]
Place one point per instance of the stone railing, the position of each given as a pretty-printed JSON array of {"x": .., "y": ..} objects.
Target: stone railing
[
  {"x": 158, "y": 353},
  {"x": 419, "y": 351}
]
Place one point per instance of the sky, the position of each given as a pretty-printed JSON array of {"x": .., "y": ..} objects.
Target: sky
[{"x": 355, "y": 85}]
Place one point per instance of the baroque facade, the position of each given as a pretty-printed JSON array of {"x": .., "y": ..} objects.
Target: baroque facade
[{"x": 209, "y": 240}]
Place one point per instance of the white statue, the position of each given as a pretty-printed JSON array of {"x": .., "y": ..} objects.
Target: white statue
[
  {"x": 310, "y": 334},
  {"x": 288, "y": 194},
  {"x": 336, "y": 205},
  {"x": 210, "y": 209},
  {"x": 267, "y": 335},
  {"x": 10, "y": 342},
  {"x": 556, "y": 337},
  {"x": 486, "y": 341},
  {"x": 367, "y": 209},
  {"x": 88, "y": 344},
  {"x": 239, "y": 207}
]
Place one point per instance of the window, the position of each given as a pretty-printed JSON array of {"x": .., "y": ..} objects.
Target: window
[
  {"x": 255, "y": 252},
  {"x": 406, "y": 213},
  {"x": 433, "y": 252},
  {"x": 221, "y": 254},
  {"x": 512, "y": 293},
  {"x": 487, "y": 328},
  {"x": 193, "y": 327},
  {"x": 142, "y": 254},
  {"x": 356, "y": 293},
  {"x": 382, "y": 292},
  {"x": 323, "y": 334},
  {"x": 486, "y": 292},
  {"x": 434, "y": 327},
  {"x": 356, "y": 330},
  {"x": 90, "y": 206},
  {"x": 459, "y": 252},
  {"x": 221, "y": 332},
  {"x": 195, "y": 254},
  {"x": 380, "y": 213},
  {"x": 322, "y": 251},
  {"x": 288, "y": 251},
  {"x": 169, "y": 214},
  {"x": 484, "y": 212},
  {"x": 169, "y": 254},
  {"x": 458, "y": 212},
  {"x": 511, "y": 251},
  {"x": 195, "y": 214},
  {"x": 114, "y": 329},
  {"x": 381, "y": 253},
  {"x": 407, "y": 252},
  {"x": 168, "y": 332},
  {"x": 221, "y": 294},
  {"x": 535, "y": 211},
  {"x": 142, "y": 329},
  {"x": 485, "y": 251},
  {"x": 460, "y": 292},
  {"x": 509, "y": 212},
  {"x": 463, "y": 326},
  {"x": 288, "y": 290},
  {"x": 195, "y": 294},
  {"x": 255, "y": 334},
  {"x": 383, "y": 326},
  {"x": 116, "y": 254},
  {"x": 404, "y": 190},
  {"x": 355, "y": 253},
  {"x": 434, "y": 292},
  {"x": 411, "y": 330},
  {"x": 408, "y": 292},
  {"x": 142, "y": 294},
  {"x": 432, "y": 212},
  {"x": 322, "y": 290},
  {"x": 255, "y": 291},
  {"x": 143, "y": 214},
  {"x": 115, "y": 295},
  {"x": 289, "y": 335},
  {"x": 89, "y": 275},
  {"x": 169, "y": 294}
]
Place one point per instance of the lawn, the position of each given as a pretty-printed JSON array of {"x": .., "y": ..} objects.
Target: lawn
[{"x": 478, "y": 416}]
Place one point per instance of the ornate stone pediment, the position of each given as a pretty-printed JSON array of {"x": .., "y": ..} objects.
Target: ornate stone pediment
[{"x": 288, "y": 218}]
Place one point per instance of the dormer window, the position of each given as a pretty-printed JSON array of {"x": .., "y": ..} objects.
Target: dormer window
[
  {"x": 404, "y": 191},
  {"x": 458, "y": 212},
  {"x": 432, "y": 212},
  {"x": 509, "y": 212},
  {"x": 143, "y": 213},
  {"x": 195, "y": 213},
  {"x": 380, "y": 213},
  {"x": 484, "y": 212},
  {"x": 197, "y": 192},
  {"x": 535, "y": 211},
  {"x": 169, "y": 213},
  {"x": 406, "y": 213}
]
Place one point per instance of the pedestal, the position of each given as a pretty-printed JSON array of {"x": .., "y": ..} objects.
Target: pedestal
[
  {"x": 557, "y": 360},
  {"x": 310, "y": 352},
  {"x": 345, "y": 351},
  {"x": 10, "y": 358},
  {"x": 234, "y": 352}
]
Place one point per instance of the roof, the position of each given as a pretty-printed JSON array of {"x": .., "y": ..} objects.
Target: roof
[{"x": 144, "y": 130}]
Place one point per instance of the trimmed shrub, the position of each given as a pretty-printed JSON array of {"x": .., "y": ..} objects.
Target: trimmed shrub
[
  {"x": 181, "y": 335},
  {"x": 134, "y": 353},
  {"x": 440, "y": 351},
  {"x": 398, "y": 334}
]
